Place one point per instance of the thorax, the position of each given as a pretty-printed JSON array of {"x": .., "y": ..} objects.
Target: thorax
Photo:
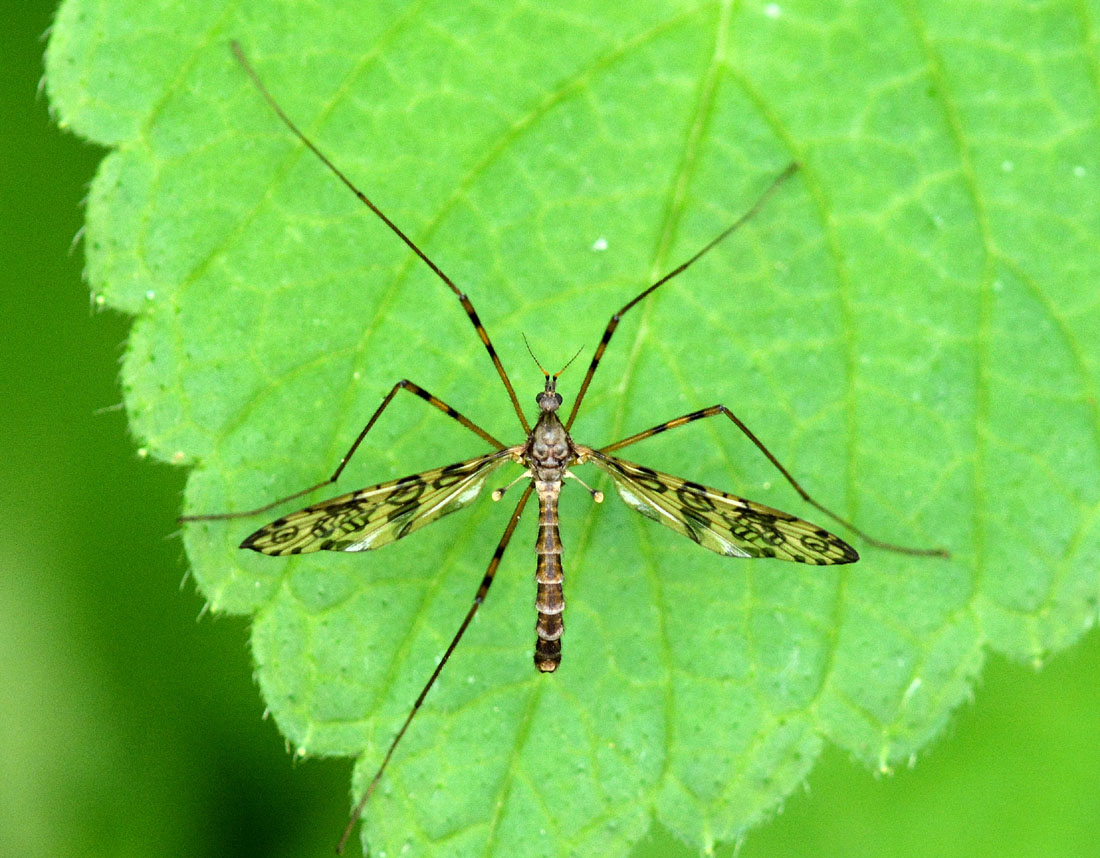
[{"x": 549, "y": 449}]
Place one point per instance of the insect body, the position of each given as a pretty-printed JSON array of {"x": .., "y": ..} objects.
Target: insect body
[
  {"x": 376, "y": 516},
  {"x": 548, "y": 453},
  {"x": 373, "y": 517}
]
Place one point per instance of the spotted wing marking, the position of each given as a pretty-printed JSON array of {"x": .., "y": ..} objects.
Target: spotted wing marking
[
  {"x": 376, "y": 516},
  {"x": 724, "y": 523}
]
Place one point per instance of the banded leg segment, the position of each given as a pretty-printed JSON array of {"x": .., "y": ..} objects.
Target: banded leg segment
[
  {"x": 479, "y": 597},
  {"x": 715, "y": 410},
  {"x": 613, "y": 323},
  {"x": 403, "y": 384},
  {"x": 365, "y": 200}
]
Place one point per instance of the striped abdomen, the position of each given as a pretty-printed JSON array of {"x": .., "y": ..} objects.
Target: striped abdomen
[{"x": 550, "y": 599}]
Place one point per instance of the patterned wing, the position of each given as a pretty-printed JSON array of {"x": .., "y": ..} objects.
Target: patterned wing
[
  {"x": 379, "y": 515},
  {"x": 724, "y": 523}
]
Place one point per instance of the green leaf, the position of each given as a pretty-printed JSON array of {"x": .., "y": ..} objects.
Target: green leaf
[{"x": 910, "y": 325}]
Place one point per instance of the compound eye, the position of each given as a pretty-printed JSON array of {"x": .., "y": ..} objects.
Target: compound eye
[{"x": 548, "y": 400}]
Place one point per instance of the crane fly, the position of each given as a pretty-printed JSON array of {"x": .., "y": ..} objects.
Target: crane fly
[{"x": 373, "y": 517}]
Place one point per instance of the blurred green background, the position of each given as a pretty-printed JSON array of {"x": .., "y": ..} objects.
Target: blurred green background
[{"x": 130, "y": 729}]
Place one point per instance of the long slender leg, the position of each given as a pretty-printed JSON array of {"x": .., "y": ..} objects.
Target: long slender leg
[
  {"x": 404, "y": 384},
  {"x": 613, "y": 323},
  {"x": 466, "y": 305},
  {"x": 479, "y": 597},
  {"x": 715, "y": 410}
]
